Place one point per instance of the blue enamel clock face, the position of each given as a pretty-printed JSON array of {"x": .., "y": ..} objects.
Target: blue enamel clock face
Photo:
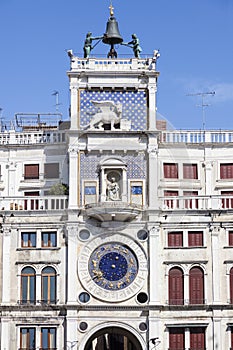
[{"x": 113, "y": 266}]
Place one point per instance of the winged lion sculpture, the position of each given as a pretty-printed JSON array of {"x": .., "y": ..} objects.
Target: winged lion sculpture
[{"x": 109, "y": 113}]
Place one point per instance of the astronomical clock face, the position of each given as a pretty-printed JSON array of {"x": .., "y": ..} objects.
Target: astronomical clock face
[
  {"x": 112, "y": 271},
  {"x": 113, "y": 266}
]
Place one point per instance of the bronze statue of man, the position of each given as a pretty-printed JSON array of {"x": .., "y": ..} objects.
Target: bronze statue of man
[{"x": 88, "y": 44}]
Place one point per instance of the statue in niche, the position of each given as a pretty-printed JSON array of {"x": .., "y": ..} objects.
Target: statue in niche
[{"x": 113, "y": 190}]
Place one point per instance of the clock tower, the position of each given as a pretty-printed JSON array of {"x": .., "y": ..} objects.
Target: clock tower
[{"x": 112, "y": 213}]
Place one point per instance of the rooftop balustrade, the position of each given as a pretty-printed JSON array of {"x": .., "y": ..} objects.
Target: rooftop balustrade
[
  {"x": 13, "y": 137},
  {"x": 196, "y": 136},
  {"x": 105, "y": 64}
]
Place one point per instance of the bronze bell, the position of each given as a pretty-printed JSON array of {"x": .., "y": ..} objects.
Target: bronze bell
[{"x": 112, "y": 35}]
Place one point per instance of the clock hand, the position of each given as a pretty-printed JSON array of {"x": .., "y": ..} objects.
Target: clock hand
[{"x": 98, "y": 274}]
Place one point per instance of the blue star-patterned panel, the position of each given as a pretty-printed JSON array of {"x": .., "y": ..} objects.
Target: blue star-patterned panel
[{"x": 134, "y": 106}]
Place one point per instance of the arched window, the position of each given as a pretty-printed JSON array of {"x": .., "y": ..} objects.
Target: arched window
[
  {"x": 28, "y": 286},
  {"x": 196, "y": 286},
  {"x": 49, "y": 285},
  {"x": 231, "y": 285},
  {"x": 176, "y": 286}
]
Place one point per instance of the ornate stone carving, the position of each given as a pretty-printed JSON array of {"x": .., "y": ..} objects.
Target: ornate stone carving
[{"x": 110, "y": 113}]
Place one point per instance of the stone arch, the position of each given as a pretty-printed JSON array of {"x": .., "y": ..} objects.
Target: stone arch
[{"x": 115, "y": 337}]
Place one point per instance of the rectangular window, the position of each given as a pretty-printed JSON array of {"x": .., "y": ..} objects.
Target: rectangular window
[
  {"x": 190, "y": 171},
  {"x": 226, "y": 171},
  {"x": 171, "y": 203},
  {"x": 49, "y": 239},
  {"x": 191, "y": 203},
  {"x": 27, "y": 338},
  {"x": 227, "y": 203},
  {"x": 90, "y": 190},
  {"x": 230, "y": 237},
  {"x": 51, "y": 170},
  {"x": 231, "y": 337},
  {"x": 170, "y": 170},
  {"x": 197, "y": 338},
  {"x": 176, "y": 338},
  {"x": 31, "y": 204},
  {"x": 136, "y": 190},
  {"x": 28, "y": 239},
  {"x": 195, "y": 239},
  {"x": 48, "y": 338},
  {"x": 175, "y": 239},
  {"x": 31, "y": 171}
]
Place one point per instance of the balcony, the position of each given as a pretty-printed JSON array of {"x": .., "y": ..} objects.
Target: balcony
[
  {"x": 188, "y": 203},
  {"x": 113, "y": 211},
  {"x": 27, "y": 203},
  {"x": 196, "y": 136},
  {"x": 29, "y": 138}
]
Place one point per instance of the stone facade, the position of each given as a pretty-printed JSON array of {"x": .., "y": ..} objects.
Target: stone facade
[{"x": 138, "y": 254}]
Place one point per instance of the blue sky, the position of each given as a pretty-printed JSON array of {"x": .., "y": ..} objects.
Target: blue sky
[{"x": 195, "y": 39}]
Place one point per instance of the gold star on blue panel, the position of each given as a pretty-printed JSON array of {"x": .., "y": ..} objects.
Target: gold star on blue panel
[{"x": 134, "y": 106}]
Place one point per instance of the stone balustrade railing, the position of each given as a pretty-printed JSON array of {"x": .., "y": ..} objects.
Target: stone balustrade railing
[
  {"x": 23, "y": 138},
  {"x": 33, "y": 203},
  {"x": 196, "y": 136}
]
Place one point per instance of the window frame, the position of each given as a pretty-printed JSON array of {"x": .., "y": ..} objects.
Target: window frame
[
  {"x": 230, "y": 238},
  {"x": 49, "y": 233},
  {"x": 51, "y": 170},
  {"x": 176, "y": 286},
  {"x": 171, "y": 203},
  {"x": 197, "y": 236},
  {"x": 48, "y": 341},
  {"x": 29, "y": 240},
  {"x": 28, "y": 340},
  {"x": 190, "y": 171},
  {"x": 196, "y": 286},
  {"x": 34, "y": 173},
  {"x": 176, "y": 237},
  {"x": 28, "y": 286},
  {"x": 226, "y": 171},
  {"x": 49, "y": 285},
  {"x": 170, "y": 170}
]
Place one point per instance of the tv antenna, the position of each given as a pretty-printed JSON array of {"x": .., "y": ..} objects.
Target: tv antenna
[
  {"x": 203, "y": 105},
  {"x": 57, "y": 104}
]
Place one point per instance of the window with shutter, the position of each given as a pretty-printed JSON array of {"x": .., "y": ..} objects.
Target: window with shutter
[
  {"x": 231, "y": 337},
  {"x": 176, "y": 339},
  {"x": 175, "y": 239},
  {"x": 191, "y": 203},
  {"x": 197, "y": 338},
  {"x": 176, "y": 286},
  {"x": 51, "y": 170},
  {"x": 170, "y": 170},
  {"x": 230, "y": 238},
  {"x": 226, "y": 171},
  {"x": 231, "y": 285},
  {"x": 190, "y": 171},
  {"x": 31, "y": 171},
  {"x": 196, "y": 286},
  {"x": 31, "y": 204},
  {"x": 171, "y": 203},
  {"x": 227, "y": 203},
  {"x": 195, "y": 238}
]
